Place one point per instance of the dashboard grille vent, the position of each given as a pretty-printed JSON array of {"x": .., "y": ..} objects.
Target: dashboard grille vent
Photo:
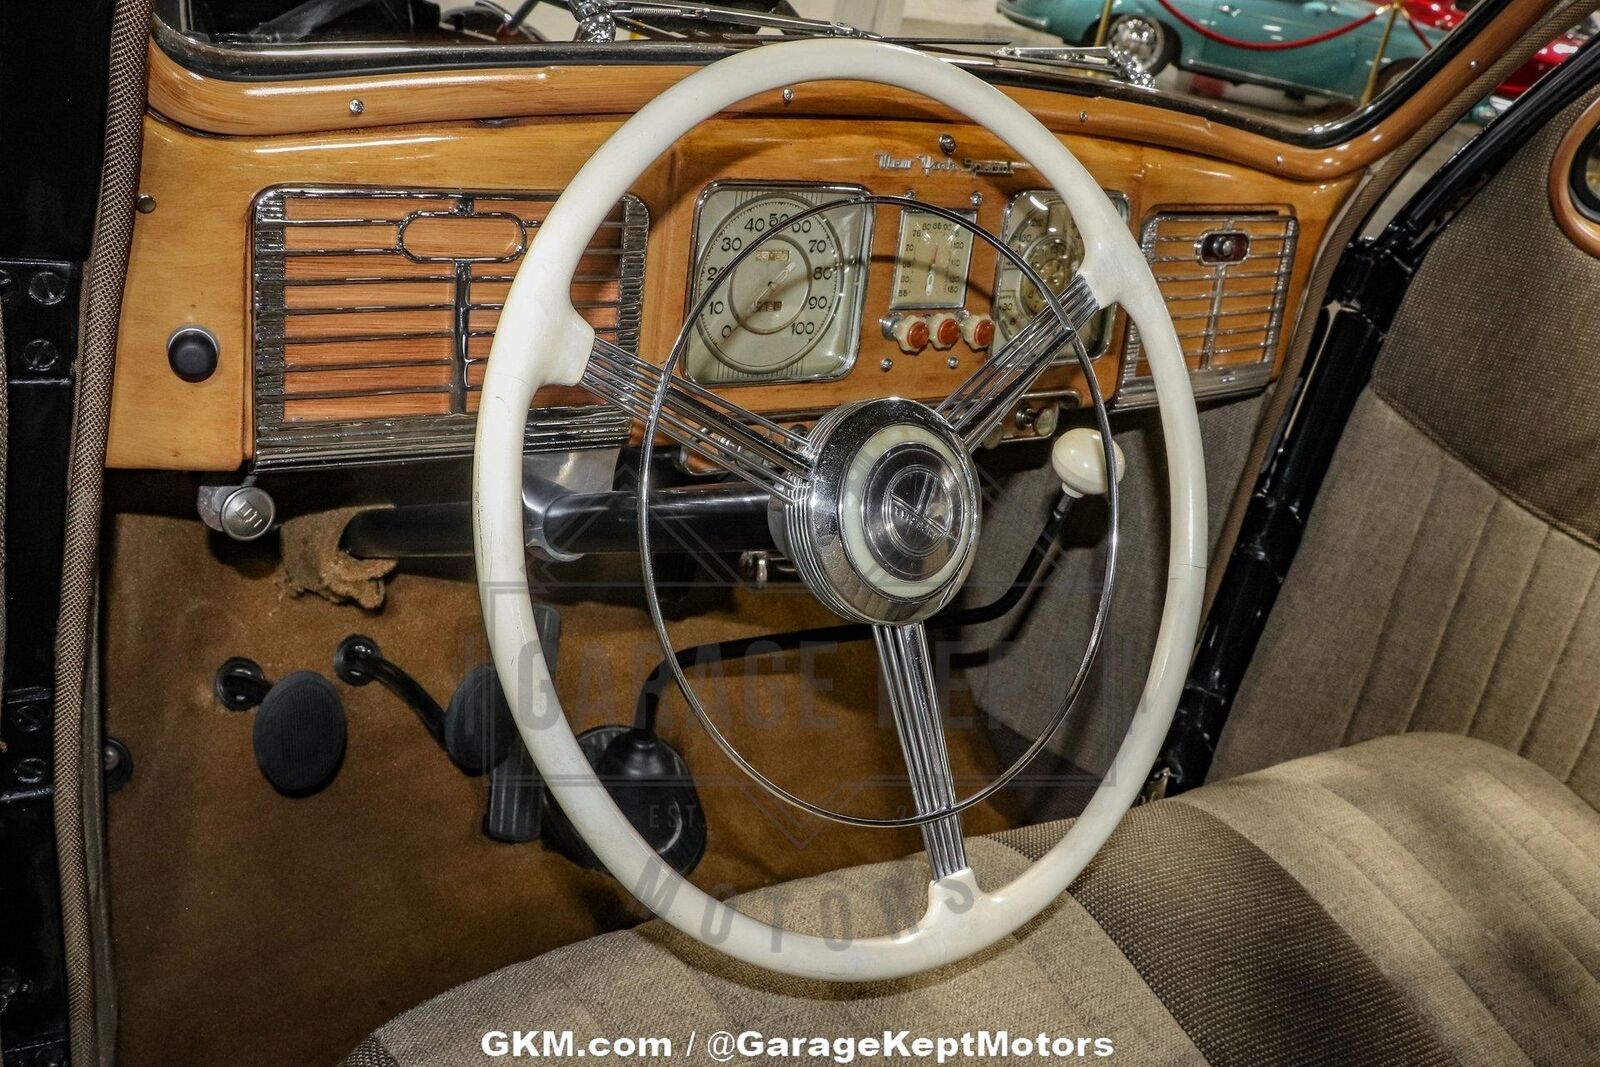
[
  {"x": 1225, "y": 279},
  {"x": 374, "y": 312}
]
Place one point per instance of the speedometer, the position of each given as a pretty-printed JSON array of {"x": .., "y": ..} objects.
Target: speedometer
[{"x": 791, "y": 309}]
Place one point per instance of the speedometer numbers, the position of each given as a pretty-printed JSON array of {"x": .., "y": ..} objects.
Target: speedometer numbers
[
  {"x": 1038, "y": 227},
  {"x": 791, "y": 309},
  {"x": 785, "y": 295}
]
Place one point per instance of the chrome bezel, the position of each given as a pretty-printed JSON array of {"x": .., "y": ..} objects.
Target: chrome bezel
[
  {"x": 1135, "y": 390},
  {"x": 971, "y": 215},
  {"x": 857, "y": 301},
  {"x": 814, "y": 531},
  {"x": 353, "y": 442},
  {"x": 1120, "y": 201}
]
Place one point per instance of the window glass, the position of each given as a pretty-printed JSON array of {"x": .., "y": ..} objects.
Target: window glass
[
  {"x": 1586, "y": 176},
  {"x": 1298, "y": 64}
]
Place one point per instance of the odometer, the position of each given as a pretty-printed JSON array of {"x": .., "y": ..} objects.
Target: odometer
[{"x": 791, "y": 309}]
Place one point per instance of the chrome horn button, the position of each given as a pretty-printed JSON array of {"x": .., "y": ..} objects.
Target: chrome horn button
[
  {"x": 912, "y": 512},
  {"x": 886, "y": 529}
]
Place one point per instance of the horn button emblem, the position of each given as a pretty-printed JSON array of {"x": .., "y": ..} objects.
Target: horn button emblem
[
  {"x": 912, "y": 512},
  {"x": 886, "y": 529}
]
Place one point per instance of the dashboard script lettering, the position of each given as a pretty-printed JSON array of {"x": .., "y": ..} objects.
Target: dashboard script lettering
[{"x": 934, "y": 164}]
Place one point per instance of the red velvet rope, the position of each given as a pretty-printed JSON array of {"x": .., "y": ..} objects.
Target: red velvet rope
[
  {"x": 1273, "y": 46},
  {"x": 1427, "y": 45}
]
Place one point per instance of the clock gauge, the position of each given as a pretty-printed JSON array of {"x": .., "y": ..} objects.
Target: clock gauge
[{"x": 1038, "y": 227}]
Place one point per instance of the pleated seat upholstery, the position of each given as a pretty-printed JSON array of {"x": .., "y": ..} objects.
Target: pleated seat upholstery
[{"x": 1414, "y": 900}]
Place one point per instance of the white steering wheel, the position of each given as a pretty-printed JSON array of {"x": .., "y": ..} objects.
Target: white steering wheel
[{"x": 823, "y": 485}]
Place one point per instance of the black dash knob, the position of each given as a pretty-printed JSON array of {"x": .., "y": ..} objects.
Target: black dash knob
[{"x": 192, "y": 353}]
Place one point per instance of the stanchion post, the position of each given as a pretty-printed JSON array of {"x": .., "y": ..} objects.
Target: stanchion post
[
  {"x": 1105, "y": 24},
  {"x": 1377, "y": 60}
]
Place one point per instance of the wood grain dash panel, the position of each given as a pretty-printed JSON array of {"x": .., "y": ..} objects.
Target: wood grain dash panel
[
  {"x": 494, "y": 236},
  {"x": 380, "y": 351},
  {"x": 359, "y": 294},
  {"x": 371, "y": 322},
  {"x": 313, "y": 410}
]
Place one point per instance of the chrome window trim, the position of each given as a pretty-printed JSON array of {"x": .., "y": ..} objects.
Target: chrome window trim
[{"x": 288, "y": 445}]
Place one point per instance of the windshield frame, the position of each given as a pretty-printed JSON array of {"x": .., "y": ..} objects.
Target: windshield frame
[{"x": 277, "y": 62}]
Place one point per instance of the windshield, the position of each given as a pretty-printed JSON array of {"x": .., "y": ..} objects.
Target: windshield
[{"x": 1299, "y": 65}]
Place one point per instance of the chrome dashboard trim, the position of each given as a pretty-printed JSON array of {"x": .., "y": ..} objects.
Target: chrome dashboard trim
[
  {"x": 281, "y": 444},
  {"x": 1135, "y": 390}
]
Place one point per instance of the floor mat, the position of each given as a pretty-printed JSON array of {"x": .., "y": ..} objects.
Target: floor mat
[{"x": 253, "y": 929}]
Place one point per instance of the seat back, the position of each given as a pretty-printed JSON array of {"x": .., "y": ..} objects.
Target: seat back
[{"x": 1448, "y": 576}]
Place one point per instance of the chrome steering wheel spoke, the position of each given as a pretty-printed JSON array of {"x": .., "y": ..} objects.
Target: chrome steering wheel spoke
[
  {"x": 984, "y": 398},
  {"x": 741, "y": 442},
  {"x": 907, "y": 665}
]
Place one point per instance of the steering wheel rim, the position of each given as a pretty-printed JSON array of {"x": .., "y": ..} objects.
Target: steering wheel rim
[{"x": 542, "y": 340}]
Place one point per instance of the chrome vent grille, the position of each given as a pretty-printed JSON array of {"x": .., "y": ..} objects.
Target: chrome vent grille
[
  {"x": 1225, "y": 279},
  {"x": 375, "y": 308}
]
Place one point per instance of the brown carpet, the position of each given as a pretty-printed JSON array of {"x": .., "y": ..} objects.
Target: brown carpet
[{"x": 254, "y": 929}]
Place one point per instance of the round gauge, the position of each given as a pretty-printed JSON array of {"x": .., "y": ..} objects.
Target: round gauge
[
  {"x": 1039, "y": 228},
  {"x": 1056, "y": 258},
  {"x": 778, "y": 313}
]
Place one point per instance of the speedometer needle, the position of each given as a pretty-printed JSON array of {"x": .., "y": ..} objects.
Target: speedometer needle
[{"x": 760, "y": 299}]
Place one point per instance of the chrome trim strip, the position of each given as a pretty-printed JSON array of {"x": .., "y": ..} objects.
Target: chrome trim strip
[
  {"x": 281, "y": 444},
  {"x": 772, "y": 456},
  {"x": 978, "y": 404},
  {"x": 1136, "y": 390},
  {"x": 907, "y": 665}
]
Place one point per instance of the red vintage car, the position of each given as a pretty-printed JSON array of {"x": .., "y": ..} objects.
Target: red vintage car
[{"x": 1445, "y": 15}]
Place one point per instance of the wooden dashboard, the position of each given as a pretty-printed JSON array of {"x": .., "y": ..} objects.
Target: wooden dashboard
[{"x": 192, "y": 259}]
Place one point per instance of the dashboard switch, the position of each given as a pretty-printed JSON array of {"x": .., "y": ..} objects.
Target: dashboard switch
[
  {"x": 910, "y": 332},
  {"x": 977, "y": 330},
  {"x": 192, "y": 353},
  {"x": 944, "y": 330}
]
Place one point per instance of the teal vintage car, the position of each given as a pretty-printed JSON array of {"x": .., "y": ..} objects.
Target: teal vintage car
[{"x": 1154, "y": 34}]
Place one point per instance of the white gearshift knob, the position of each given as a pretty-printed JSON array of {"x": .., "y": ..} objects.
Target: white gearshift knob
[{"x": 1080, "y": 462}]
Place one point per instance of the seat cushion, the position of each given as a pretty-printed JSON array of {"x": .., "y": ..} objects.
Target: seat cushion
[{"x": 1412, "y": 900}]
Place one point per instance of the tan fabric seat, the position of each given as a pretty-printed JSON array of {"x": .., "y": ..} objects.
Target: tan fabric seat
[{"x": 1411, "y": 900}]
